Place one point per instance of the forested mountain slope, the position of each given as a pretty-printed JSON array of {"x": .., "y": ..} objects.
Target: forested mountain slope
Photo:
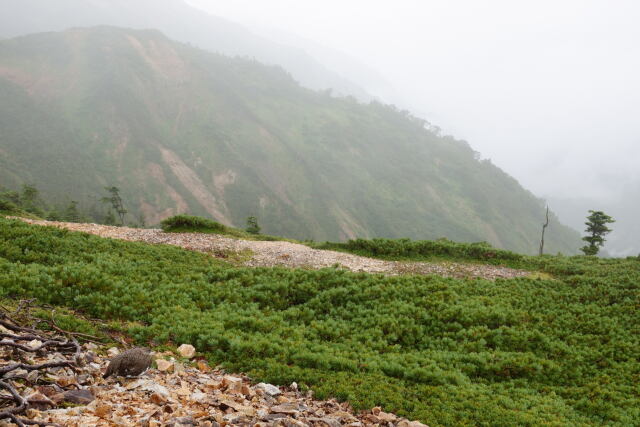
[
  {"x": 179, "y": 21},
  {"x": 183, "y": 130}
]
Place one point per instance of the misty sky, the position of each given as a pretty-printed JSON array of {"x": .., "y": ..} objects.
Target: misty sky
[{"x": 549, "y": 90}]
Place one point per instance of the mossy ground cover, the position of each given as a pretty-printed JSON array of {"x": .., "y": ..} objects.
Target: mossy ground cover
[{"x": 559, "y": 351}]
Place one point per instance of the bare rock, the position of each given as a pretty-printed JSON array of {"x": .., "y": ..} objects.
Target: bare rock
[
  {"x": 406, "y": 423},
  {"x": 286, "y": 408},
  {"x": 90, "y": 346},
  {"x": 203, "y": 366},
  {"x": 269, "y": 389},
  {"x": 165, "y": 365},
  {"x": 77, "y": 397},
  {"x": 232, "y": 384},
  {"x": 38, "y": 400},
  {"x": 187, "y": 350},
  {"x": 181, "y": 421},
  {"x": 386, "y": 417}
]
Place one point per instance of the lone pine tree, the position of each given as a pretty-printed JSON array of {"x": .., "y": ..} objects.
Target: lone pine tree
[{"x": 597, "y": 229}]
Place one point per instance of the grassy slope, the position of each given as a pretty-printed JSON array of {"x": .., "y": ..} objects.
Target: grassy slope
[
  {"x": 446, "y": 351},
  {"x": 90, "y": 108}
]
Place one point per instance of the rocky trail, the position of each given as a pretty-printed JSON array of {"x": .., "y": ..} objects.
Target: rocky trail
[{"x": 285, "y": 254}]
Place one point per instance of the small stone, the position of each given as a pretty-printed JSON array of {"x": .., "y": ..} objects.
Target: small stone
[
  {"x": 78, "y": 397},
  {"x": 88, "y": 357},
  {"x": 90, "y": 346},
  {"x": 183, "y": 391},
  {"x": 187, "y": 350},
  {"x": 232, "y": 384},
  {"x": 34, "y": 343},
  {"x": 156, "y": 388},
  {"x": 246, "y": 390},
  {"x": 66, "y": 381},
  {"x": 165, "y": 365},
  {"x": 372, "y": 419},
  {"x": 228, "y": 403},
  {"x": 294, "y": 386},
  {"x": 32, "y": 376},
  {"x": 178, "y": 368},
  {"x": 33, "y": 413},
  {"x": 386, "y": 417},
  {"x": 272, "y": 417},
  {"x": 407, "y": 423},
  {"x": 113, "y": 351},
  {"x": 198, "y": 396},
  {"x": 102, "y": 411},
  {"x": 376, "y": 410},
  {"x": 295, "y": 423},
  {"x": 181, "y": 421},
  {"x": 157, "y": 399},
  {"x": 203, "y": 366},
  {"x": 234, "y": 418},
  {"x": 84, "y": 379},
  {"x": 269, "y": 389},
  {"x": 38, "y": 400},
  {"x": 286, "y": 408}
]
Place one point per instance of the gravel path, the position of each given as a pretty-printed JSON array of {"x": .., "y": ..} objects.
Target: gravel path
[{"x": 286, "y": 254}]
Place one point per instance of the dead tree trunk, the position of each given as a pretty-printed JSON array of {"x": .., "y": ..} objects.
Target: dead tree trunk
[{"x": 544, "y": 228}]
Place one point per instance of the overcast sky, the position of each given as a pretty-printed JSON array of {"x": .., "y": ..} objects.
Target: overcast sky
[{"x": 548, "y": 89}]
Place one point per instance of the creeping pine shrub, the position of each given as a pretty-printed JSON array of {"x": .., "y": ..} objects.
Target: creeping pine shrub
[
  {"x": 191, "y": 223},
  {"x": 7, "y": 206},
  {"x": 406, "y": 248},
  {"x": 560, "y": 351}
]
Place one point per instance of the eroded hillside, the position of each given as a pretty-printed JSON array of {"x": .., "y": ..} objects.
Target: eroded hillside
[{"x": 183, "y": 130}]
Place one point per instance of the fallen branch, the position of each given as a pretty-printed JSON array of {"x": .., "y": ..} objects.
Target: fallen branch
[{"x": 19, "y": 339}]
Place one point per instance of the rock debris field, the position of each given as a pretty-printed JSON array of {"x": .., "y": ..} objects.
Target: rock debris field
[
  {"x": 286, "y": 254},
  {"x": 59, "y": 382}
]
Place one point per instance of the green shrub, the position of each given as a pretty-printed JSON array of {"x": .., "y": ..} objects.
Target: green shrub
[
  {"x": 7, "y": 206},
  {"x": 425, "y": 249},
  {"x": 528, "y": 352},
  {"x": 192, "y": 223}
]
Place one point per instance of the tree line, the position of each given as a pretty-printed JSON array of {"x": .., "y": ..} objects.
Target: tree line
[
  {"x": 110, "y": 211},
  {"x": 29, "y": 200}
]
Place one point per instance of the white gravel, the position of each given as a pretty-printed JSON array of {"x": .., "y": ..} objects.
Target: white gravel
[{"x": 286, "y": 254}]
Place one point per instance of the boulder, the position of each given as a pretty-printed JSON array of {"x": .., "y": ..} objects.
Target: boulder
[{"x": 187, "y": 350}]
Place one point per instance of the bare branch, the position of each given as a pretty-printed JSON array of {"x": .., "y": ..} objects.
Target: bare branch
[{"x": 544, "y": 227}]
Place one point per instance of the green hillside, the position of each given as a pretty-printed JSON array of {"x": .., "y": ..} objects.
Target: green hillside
[
  {"x": 179, "y": 21},
  {"x": 558, "y": 351},
  {"x": 182, "y": 130}
]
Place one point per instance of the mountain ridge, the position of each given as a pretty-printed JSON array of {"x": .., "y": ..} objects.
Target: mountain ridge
[
  {"x": 180, "y": 21},
  {"x": 183, "y": 130}
]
